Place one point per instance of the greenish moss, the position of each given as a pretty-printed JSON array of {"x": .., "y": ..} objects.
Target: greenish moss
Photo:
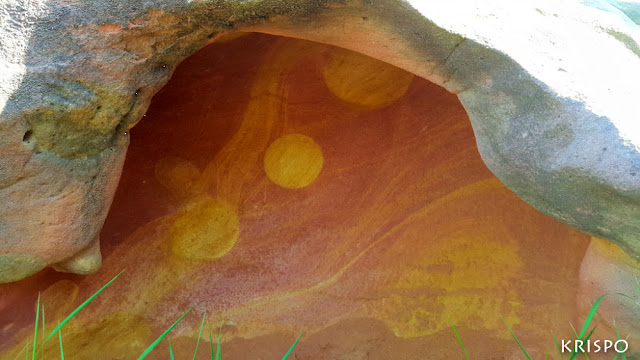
[
  {"x": 562, "y": 134},
  {"x": 592, "y": 204},
  {"x": 626, "y": 40},
  {"x": 14, "y": 267},
  {"x": 78, "y": 119}
]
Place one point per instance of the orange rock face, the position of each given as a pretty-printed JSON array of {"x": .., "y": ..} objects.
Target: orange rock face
[{"x": 287, "y": 186}]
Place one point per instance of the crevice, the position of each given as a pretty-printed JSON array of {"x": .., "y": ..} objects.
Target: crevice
[
  {"x": 455, "y": 47},
  {"x": 454, "y": 70}
]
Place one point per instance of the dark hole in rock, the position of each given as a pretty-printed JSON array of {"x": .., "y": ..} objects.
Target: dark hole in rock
[{"x": 27, "y": 136}]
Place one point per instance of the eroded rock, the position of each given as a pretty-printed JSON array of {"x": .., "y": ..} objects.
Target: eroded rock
[
  {"x": 551, "y": 91},
  {"x": 290, "y": 205}
]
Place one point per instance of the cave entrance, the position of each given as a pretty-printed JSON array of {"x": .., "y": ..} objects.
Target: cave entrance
[
  {"x": 285, "y": 185},
  {"x": 303, "y": 182}
]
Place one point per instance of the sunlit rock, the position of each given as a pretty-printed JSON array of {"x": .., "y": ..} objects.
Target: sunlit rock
[{"x": 287, "y": 185}]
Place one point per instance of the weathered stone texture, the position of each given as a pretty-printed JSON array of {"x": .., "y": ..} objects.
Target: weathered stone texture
[{"x": 551, "y": 90}]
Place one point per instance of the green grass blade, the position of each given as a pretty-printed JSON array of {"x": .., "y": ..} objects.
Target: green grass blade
[
  {"x": 155, "y": 343},
  {"x": 42, "y": 345},
  {"x": 574, "y": 330},
  {"x": 199, "y": 335},
  {"x": 292, "y": 346},
  {"x": 558, "y": 346},
  {"x": 211, "y": 343},
  {"x": 171, "y": 351},
  {"x": 27, "y": 356},
  {"x": 459, "y": 340},
  {"x": 587, "y": 322},
  {"x": 574, "y": 353},
  {"x": 624, "y": 357},
  {"x": 219, "y": 341},
  {"x": 35, "y": 333},
  {"x": 575, "y": 333},
  {"x": 74, "y": 312},
  {"x": 592, "y": 313},
  {"x": 61, "y": 351},
  {"x": 587, "y": 339},
  {"x": 546, "y": 354},
  {"x": 515, "y": 338},
  {"x": 590, "y": 333}
]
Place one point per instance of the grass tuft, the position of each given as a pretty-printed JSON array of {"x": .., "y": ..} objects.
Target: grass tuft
[
  {"x": 587, "y": 323},
  {"x": 58, "y": 330},
  {"x": 216, "y": 356}
]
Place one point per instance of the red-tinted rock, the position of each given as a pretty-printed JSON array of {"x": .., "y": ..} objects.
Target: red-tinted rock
[{"x": 261, "y": 190}]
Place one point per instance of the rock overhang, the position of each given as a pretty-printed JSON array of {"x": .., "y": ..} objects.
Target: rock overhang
[{"x": 554, "y": 116}]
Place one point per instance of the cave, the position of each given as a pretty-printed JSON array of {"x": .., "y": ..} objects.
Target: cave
[
  {"x": 390, "y": 179},
  {"x": 278, "y": 185}
]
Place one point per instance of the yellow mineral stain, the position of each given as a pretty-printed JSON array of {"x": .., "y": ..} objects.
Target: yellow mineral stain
[
  {"x": 484, "y": 186},
  {"x": 234, "y": 165},
  {"x": 469, "y": 270},
  {"x": 206, "y": 226},
  {"x": 177, "y": 175},
  {"x": 363, "y": 81},
  {"x": 410, "y": 317},
  {"x": 119, "y": 336},
  {"x": 465, "y": 271},
  {"x": 613, "y": 251},
  {"x": 472, "y": 261},
  {"x": 204, "y": 229},
  {"x": 58, "y": 298},
  {"x": 293, "y": 161}
]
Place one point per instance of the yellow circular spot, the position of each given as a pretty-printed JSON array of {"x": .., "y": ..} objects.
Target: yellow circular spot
[
  {"x": 293, "y": 161},
  {"x": 205, "y": 229},
  {"x": 177, "y": 175},
  {"x": 363, "y": 81}
]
